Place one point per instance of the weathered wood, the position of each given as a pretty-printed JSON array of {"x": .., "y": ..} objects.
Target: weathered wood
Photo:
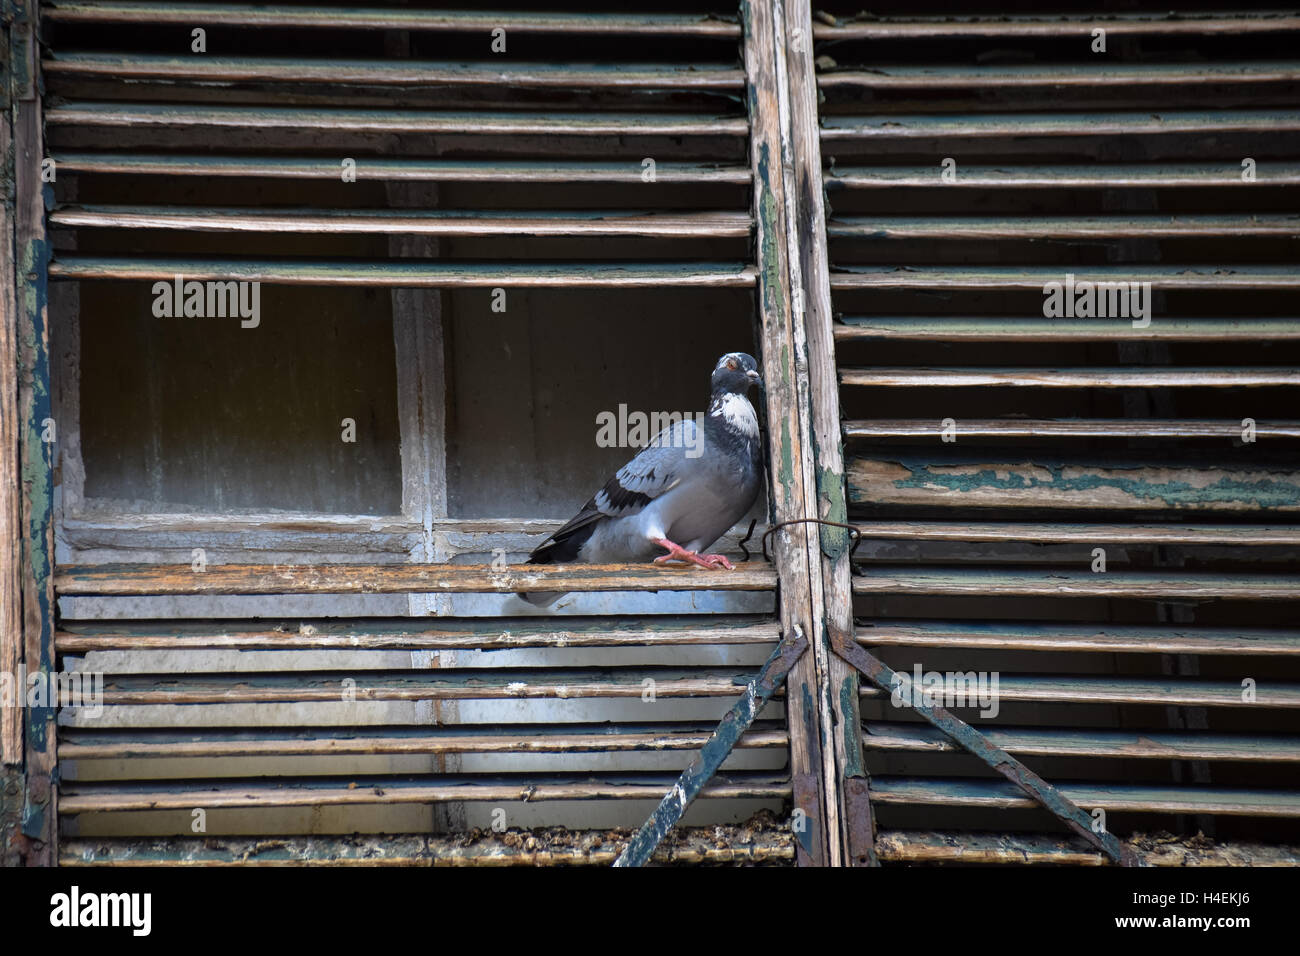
[
  {"x": 1114, "y": 798},
  {"x": 396, "y": 579},
  {"x": 739, "y": 845},
  {"x": 908, "y": 846},
  {"x": 1097, "y": 176},
  {"x": 1109, "y": 744},
  {"x": 1126, "y": 690},
  {"x": 968, "y": 483},
  {"x": 1063, "y": 228},
  {"x": 1102, "y": 638},
  {"x": 1070, "y": 428},
  {"x": 1168, "y": 585},
  {"x": 403, "y": 169},
  {"x": 401, "y": 73},
  {"x": 417, "y": 222},
  {"x": 1124, "y": 377},
  {"x": 11, "y": 535},
  {"x": 1067, "y": 77},
  {"x": 791, "y": 482},
  {"x": 327, "y": 792},
  {"x": 849, "y": 818},
  {"x": 544, "y": 123},
  {"x": 1033, "y": 278},
  {"x": 1006, "y": 27},
  {"x": 468, "y": 634},
  {"x": 422, "y": 275},
  {"x": 460, "y": 21},
  {"x": 40, "y": 802},
  {"x": 1020, "y": 531},
  {"x": 325, "y": 741},
  {"x": 891, "y": 126}
]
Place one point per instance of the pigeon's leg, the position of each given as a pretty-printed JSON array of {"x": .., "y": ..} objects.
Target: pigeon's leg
[{"x": 677, "y": 553}]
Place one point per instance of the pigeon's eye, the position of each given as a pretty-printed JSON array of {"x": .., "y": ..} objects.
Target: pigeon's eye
[{"x": 731, "y": 365}]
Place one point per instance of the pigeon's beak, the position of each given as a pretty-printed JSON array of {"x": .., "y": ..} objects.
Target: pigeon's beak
[{"x": 754, "y": 378}]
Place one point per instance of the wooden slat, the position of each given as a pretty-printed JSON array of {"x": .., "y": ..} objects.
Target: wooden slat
[
  {"x": 1069, "y": 428},
  {"x": 686, "y": 845},
  {"x": 1072, "y": 26},
  {"x": 1098, "y": 176},
  {"x": 1107, "y": 744},
  {"x": 983, "y": 582},
  {"x": 905, "y": 846},
  {"x": 411, "y": 274},
  {"x": 330, "y": 741},
  {"x": 1039, "y": 533},
  {"x": 837, "y": 129},
  {"x": 422, "y": 222},
  {"x": 396, "y": 170},
  {"x": 1119, "y": 690},
  {"x": 401, "y": 578},
  {"x": 138, "y": 66},
  {"x": 362, "y": 18},
  {"x": 469, "y": 634},
  {"x": 1017, "y": 329},
  {"x": 1067, "y": 483},
  {"x": 1101, "y": 638},
  {"x": 1123, "y": 377},
  {"x": 261, "y": 118},
  {"x": 1034, "y": 278},
  {"x": 11, "y": 535},
  {"x": 1064, "y": 228},
  {"x": 361, "y": 791},
  {"x": 436, "y": 684},
  {"x": 928, "y": 78},
  {"x": 1112, "y": 797}
]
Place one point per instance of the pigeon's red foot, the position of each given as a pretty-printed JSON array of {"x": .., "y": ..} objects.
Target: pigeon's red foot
[{"x": 677, "y": 553}]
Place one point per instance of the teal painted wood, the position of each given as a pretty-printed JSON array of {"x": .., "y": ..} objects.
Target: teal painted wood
[
  {"x": 1037, "y": 789},
  {"x": 719, "y": 746}
]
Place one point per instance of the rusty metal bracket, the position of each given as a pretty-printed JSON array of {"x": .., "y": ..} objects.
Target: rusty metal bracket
[
  {"x": 970, "y": 739},
  {"x": 715, "y": 750}
]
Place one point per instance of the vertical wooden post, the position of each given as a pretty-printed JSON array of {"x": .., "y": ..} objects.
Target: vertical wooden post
[
  {"x": 816, "y": 824},
  {"x": 843, "y": 767},
  {"x": 40, "y": 808}
]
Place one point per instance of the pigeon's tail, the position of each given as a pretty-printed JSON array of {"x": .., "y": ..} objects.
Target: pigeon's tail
[{"x": 542, "y": 598}]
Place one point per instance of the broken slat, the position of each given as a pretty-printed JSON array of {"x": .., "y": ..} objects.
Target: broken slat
[
  {"x": 1129, "y": 690},
  {"x": 836, "y": 128},
  {"x": 1121, "y": 377},
  {"x": 1020, "y": 531},
  {"x": 1064, "y": 228},
  {"x": 1036, "y": 278},
  {"x": 1069, "y": 428},
  {"x": 397, "y": 170},
  {"x": 361, "y": 18},
  {"x": 1064, "y": 483},
  {"x": 543, "y": 123},
  {"x": 1114, "y": 798},
  {"x": 1101, "y": 638},
  {"x": 83, "y": 744},
  {"x": 412, "y": 274},
  {"x": 125, "y": 579},
  {"x": 421, "y": 222},
  {"x": 140, "y": 66},
  {"x": 1098, "y": 176},
  {"x": 84, "y": 797},
  {"x": 1020, "y": 582},
  {"x": 464, "y": 634},
  {"x": 1107, "y": 744}
]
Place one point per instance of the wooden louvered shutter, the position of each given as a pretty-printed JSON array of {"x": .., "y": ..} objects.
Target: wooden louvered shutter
[
  {"x": 996, "y": 455},
  {"x": 286, "y": 700}
]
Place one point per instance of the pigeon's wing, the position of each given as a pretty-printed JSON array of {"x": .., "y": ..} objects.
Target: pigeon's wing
[{"x": 658, "y": 468}]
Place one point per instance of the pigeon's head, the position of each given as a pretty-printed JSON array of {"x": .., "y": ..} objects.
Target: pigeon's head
[{"x": 736, "y": 372}]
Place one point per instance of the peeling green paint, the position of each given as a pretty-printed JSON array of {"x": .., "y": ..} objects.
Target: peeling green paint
[
  {"x": 853, "y": 764},
  {"x": 830, "y": 487}
]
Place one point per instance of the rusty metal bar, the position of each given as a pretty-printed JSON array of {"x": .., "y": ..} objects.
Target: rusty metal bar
[
  {"x": 973, "y": 741},
  {"x": 719, "y": 746}
]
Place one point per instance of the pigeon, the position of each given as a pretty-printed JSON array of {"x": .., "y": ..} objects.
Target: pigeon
[{"x": 679, "y": 494}]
